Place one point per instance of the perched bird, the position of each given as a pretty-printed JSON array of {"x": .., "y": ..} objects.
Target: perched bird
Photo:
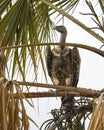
[{"x": 63, "y": 63}]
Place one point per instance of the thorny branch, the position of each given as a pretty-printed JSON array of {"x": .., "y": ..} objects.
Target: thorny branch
[{"x": 96, "y": 20}]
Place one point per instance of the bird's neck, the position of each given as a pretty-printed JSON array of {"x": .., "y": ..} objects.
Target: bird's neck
[{"x": 63, "y": 40}]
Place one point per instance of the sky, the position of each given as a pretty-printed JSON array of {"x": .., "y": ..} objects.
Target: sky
[{"x": 91, "y": 72}]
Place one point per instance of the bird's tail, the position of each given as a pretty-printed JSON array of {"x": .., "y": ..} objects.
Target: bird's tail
[{"x": 67, "y": 104}]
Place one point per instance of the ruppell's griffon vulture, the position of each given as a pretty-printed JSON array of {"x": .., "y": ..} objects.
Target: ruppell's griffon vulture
[{"x": 63, "y": 63}]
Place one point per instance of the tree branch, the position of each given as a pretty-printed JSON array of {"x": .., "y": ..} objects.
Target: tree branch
[
  {"x": 72, "y": 90},
  {"x": 93, "y": 49},
  {"x": 75, "y": 21},
  {"x": 58, "y": 94}
]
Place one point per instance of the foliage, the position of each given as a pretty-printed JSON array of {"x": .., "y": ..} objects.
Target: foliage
[
  {"x": 29, "y": 22},
  {"x": 72, "y": 120},
  {"x": 97, "y": 114},
  {"x": 12, "y": 110}
]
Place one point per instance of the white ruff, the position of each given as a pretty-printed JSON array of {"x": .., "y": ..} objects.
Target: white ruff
[{"x": 57, "y": 51}]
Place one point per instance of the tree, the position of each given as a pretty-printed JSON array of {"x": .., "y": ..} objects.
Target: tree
[{"x": 24, "y": 24}]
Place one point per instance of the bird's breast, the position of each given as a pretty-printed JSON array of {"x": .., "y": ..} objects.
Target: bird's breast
[
  {"x": 58, "y": 52},
  {"x": 61, "y": 62}
]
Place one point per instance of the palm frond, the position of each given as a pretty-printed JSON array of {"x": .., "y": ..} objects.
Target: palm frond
[
  {"x": 97, "y": 121},
  {"x": 23, "y": 21},
  {"x": 12, "y": 110},
  {"x": 101, "y": 5},
  {"x": 76, "y": 21}
]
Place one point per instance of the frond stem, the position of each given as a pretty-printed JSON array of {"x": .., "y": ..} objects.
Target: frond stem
[{"x": 93, "y": 49}]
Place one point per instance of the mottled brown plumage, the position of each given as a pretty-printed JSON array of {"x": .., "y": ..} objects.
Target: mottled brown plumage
[
  {"x": 63, "y": 66},
  {"x": 63, "y": 63}
]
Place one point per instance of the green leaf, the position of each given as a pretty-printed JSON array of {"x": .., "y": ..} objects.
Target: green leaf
[{"x": 101, "y": 5}]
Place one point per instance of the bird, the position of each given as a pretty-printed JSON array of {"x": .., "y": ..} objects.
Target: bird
[{"x": 63, "y": 63}]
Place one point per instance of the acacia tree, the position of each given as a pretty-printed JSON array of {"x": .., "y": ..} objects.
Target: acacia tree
[{"x": 25, "y": 28}]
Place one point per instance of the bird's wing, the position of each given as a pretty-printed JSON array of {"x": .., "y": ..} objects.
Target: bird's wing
[
  {"x": 75, "y": 65},
  {"x": 48, "y": 58}
]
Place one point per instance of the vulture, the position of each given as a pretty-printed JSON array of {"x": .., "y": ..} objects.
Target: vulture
[{"x": 63, "y": 63}]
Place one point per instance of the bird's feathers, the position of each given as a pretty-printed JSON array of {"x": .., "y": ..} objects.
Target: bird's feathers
[
  {"x": 63, "y": 65},
  {"x": 49, "y": 59},
  {"x": 76, "y": 60}
]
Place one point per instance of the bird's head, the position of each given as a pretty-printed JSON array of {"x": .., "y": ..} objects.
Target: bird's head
[{"x": 61, "y": 29}]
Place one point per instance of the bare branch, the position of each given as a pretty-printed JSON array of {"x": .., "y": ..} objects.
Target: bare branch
[
  {"x": 76, "y": 91},
  {"x": 58, "y": 94},
  {"x": 93, "y": 49}
]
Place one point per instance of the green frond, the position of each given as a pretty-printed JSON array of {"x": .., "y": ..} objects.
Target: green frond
[
  {"x": 19, "y": 61},
  {"x": 65, "y": 5},
  {"x": 101, "y": 5},
  {"x": 4, "y": 4},
  {"x": 28, "y": 22}
]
